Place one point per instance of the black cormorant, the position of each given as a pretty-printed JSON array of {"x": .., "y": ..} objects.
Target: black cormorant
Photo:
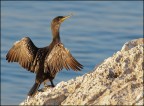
[{"x": 46, "y": 61}]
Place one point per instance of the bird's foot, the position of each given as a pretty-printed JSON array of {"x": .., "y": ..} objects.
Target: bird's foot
[
  {"x": 52, "y": 85},
  {"x": 46, "y": 86}
]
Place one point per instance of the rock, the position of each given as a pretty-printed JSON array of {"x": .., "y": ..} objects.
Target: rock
[{"x": 116, "y": 81}]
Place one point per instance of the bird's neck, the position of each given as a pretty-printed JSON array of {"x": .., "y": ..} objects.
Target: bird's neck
[{"x": 55, "y": 33}]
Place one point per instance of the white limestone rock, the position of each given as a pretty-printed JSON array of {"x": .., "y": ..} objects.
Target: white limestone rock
[{"x": 116, "y": 81}]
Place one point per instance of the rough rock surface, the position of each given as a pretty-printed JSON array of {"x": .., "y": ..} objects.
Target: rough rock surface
[{"x": 116, "y": 81}]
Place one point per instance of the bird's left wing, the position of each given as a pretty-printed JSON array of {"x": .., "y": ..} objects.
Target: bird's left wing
[
  {"x": 23, "y": 52},
  {"x": 60, "y": 58}
]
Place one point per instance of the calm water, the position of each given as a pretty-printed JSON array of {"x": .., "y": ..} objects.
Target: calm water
[{"x": 95, "y": 32}]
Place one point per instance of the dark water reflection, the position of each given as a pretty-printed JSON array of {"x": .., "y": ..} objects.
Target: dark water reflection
[{"x": 95, "y": 32}]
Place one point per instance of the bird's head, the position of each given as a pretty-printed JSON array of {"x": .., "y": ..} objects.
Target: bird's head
[{"x": 58, "y": 20}]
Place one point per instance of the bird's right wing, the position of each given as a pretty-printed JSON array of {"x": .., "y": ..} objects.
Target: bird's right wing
[
  {"x": 23, "y": 52},
  {"x": 60, "y": 58}
]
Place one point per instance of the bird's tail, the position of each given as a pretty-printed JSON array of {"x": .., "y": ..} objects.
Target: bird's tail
[{"x": 34, "y": 89}]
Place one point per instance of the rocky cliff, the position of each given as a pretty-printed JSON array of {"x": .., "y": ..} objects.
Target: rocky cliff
[{"x": 116, "y": 81}]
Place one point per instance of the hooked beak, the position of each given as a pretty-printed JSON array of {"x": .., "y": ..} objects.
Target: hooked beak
[{"x": 65, "y": 17}]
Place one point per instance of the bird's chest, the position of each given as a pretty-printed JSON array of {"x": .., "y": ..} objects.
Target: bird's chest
[
  {"x": 41, "y": 54},
  {"x": 39, "y": 59}
]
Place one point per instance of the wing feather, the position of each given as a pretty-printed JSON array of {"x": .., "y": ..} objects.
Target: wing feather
[
  {"x": 60, "y": 58},
  {"x": 23, "y": 52}
]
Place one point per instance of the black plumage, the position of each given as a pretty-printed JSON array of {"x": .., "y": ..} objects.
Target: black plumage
[{"x": 46, "y": 61}]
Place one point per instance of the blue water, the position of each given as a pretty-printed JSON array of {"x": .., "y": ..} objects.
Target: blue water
[{"x": 96, "y": 31}]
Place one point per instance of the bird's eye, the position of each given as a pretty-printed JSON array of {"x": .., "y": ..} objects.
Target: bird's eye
[{"x": 59, "y": 19}]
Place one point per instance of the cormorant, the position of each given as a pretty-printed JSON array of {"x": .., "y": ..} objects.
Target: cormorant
[{"x": 46, "y": 61}]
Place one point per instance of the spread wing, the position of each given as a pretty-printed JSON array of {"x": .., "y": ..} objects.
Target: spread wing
[
  {"x": 23, "y": 52},
  {"x": 60, "y": 58}
]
